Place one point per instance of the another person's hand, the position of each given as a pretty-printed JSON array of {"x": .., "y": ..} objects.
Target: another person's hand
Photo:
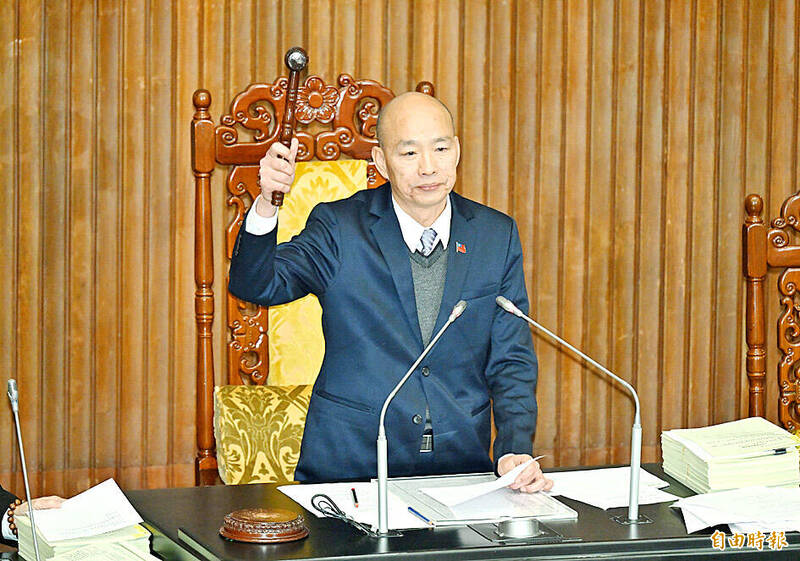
[
  {"x": 275, "y": 173},
  {"x": 42, "y": 503},
  {"x": 529, "y": 480}
]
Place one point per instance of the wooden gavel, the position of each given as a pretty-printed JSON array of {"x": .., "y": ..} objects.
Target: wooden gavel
[{"x": 296, "y": 60}]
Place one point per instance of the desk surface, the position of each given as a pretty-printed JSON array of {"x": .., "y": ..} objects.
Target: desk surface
[{"x": 199, "y": 511}]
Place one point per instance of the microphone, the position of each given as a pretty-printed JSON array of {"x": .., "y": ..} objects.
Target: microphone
[
  {"x": 636, "y": 430},
  {"x": 13, "y": 397},
  {"x": 383, "y": 462}
]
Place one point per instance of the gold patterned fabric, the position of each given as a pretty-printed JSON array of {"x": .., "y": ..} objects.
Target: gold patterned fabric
[
  {"x": 258, "y": 431},
  {"x": 259, "y": 428},
  {"x": 296, "y": 345}
]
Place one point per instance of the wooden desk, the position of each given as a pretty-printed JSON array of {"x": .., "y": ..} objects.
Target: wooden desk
[{"x": 200, "y": 510}]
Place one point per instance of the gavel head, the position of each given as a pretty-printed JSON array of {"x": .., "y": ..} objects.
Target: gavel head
[{"x": 296, "y": 59}]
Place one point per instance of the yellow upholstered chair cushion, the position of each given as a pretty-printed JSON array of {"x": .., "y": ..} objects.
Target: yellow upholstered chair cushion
[
  {"x": 296, "y": 346},
  {"x": 258, "y": 431}
]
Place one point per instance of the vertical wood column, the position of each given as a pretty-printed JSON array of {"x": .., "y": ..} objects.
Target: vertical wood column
[{"x": 202, "y": 166}]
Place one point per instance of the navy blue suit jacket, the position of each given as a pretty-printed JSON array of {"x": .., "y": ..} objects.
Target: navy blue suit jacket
[{"x": 352, "y": 256}]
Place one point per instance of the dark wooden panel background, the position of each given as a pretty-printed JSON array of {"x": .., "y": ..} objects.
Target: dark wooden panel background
[{"x": 622, "y": 136}]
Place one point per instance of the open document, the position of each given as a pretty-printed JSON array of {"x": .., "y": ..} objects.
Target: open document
[{"x": 489, "y": 499}]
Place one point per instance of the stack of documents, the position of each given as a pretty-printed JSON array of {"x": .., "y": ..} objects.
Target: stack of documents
[
  {"x": 745, "y": 510},
  {"x": 100, "y": 519},
  {"x": 745, "y": 453}
]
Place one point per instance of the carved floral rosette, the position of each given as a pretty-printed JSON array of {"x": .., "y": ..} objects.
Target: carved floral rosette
[{"x": 331, "y": 122}]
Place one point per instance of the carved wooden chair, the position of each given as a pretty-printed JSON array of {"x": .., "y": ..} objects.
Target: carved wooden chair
[
  {"x": 764, "y": 247},
  {"x": 333, "y": 122}
]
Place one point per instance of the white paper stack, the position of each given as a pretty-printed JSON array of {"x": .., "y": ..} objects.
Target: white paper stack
[
  {"x": 745, "y": 453},
  {"x": 100, "y": 517}
]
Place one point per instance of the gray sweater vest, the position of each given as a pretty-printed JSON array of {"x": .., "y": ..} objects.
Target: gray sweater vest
[{"x": 428, "y": 274}]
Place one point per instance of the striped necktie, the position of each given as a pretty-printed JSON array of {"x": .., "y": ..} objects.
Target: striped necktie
[{"x": 428, "y": 238}]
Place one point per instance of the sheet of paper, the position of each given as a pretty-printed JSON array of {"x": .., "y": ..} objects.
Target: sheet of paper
[
  {"x": 100, "y": 509},
  {"x": 367, "y": 512},
  {"x": 106, "y": 552},
  {"x": 608, "y": 487},
  {"x": 770, "y": 507},
  {"x": 452, "y": 496},
  {"x": 744, "y": 438}
]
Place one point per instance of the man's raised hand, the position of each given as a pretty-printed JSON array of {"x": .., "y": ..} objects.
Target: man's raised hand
[{"x": 275, "y": 173}]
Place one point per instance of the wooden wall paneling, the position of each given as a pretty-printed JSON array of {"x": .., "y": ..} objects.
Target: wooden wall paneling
[
  {"x": 8, "y": 214},
  {"x": 214, "y": 72},
  {"x": 732, "y": 189},
  {"x": 397, "y": 33},
  {"x": 52, "y": 455},
  {"x": 574, "y": 224},
  {"x": 159, "y": 279},
  {"x": 759, "y": 90},
  {"x": 267, "y": 35},
  {"x": 80, "y": 187},
  {"x": 30, "y": 237},
  {"x": 784, "y": 100},
  {"x": 371, "y": 55},
  {"x": 703, "y": 220},
  {"x": 186, "y": 80},
  {"x": 293, "y": 17},
  {"x": 422, "y": 33},
  {"x": 648, "y": 376},
  {"x": 134, "y": 154},
  {"x": 445, "y": 73},
  {"x": 626, "y": 162},
  {"x": 107, "y": 416},
  {"x": 320, "y": 49},
  {"x": 473, "y": 121},
  {"x": 599, "y": 223},
  {"x": 239, "y": 29},
  {"x": 545, "y": 304},
  {"x": 525, "y": 146},
  {"x": 499, "y": 112},
  {"x": 345, "y": 41},
  {"x": 677, "y": 195}
]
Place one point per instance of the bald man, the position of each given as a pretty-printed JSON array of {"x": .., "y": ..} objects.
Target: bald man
[{"x": 387, "y": 266}]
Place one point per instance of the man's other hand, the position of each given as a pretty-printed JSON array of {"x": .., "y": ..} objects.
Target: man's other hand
[
  {"x": 275, "y": 173},
  {"x": 42, "y": 503},
  {"x": 530, "y": 480}
]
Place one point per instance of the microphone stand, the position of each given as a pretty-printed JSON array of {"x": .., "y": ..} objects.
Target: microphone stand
[
  {"x": 383, "y": 461},
  {"x": 13, "y": 397},
  {"x": 636, "y": 431}
]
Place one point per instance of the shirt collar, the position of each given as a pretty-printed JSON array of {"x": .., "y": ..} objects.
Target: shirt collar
[{"x": 412, "y": 230}]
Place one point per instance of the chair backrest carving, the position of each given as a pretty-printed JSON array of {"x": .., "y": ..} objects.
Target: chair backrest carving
[
  {"x": 332, "y": 121},
  {"x": 764, "y": 247}
]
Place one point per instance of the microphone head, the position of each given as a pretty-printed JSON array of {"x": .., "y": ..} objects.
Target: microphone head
[
  {"x": 458, "y": 309},
  {"x": 506, "y": 304},
  {"x": 13, "y": 394}
]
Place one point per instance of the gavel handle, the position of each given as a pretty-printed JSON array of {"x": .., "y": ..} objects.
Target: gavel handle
[{"x": 288, "y": 123}]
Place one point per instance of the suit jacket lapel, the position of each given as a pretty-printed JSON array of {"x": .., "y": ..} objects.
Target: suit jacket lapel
[
  {"x": 457, "y": 261},
  {"x": 387, "y": 234}
]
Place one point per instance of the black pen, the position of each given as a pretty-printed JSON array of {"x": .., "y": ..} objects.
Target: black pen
[{"x": 355, "y": 497}]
